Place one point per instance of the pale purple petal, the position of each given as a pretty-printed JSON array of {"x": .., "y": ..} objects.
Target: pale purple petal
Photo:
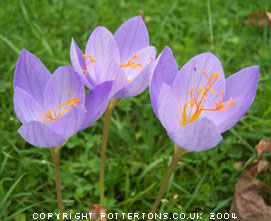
[
  {"x": 64, "y": 81},
  {"x": 31, "y": 75},
  {"x": 131, "y": 36},
  {"x": 26, "y": 107},
  {"x": 40, "y": 135},
  {"x": 165, "y": 72},
  {"x": 224, "y": 120},
  {"x": 191, "y": 76},
  {"x": 167, "y": 110},
  {"x": 96, "y": 102},
  {"x": 109, "y": 70},
  {"x": 69, "y": 123},
  {"x": 242, "y": 88},
  {"x": 78, "y": 63},
  {"x": 243, "y": 84},
  {"x": 102, "y": 45},
  {"x": 145, "y": 56},
  {"x": 137, "y": 85},
  {"x": 199, "y": 135}
]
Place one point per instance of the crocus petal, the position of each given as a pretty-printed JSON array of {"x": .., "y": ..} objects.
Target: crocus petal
[
  {"x": 199, "y": 135},
  {"x": 109, "y": 70},
  {"x": 64, "y": 80},
  {"x": 102, "y": 45},
  {"x": 224, "y": 120},
  {"x": 191, "y": 76},
  {"x": 243, "y": 84},
  {"x": 97, "y": 102},
  {"x": 242, "y": 88},
  {"x": 131, "y": 36},
  {"x": 31, "y": 75},
  {"x": 68, "y": 124},
  {"x": 167, "y": 109},
  {"x": 138, "y": 85},
  {"x": 26, "y": 107},
  {"x": 165, "y": 72},
  {"x": 78, "y": 62},
  {"x": 145, "y": 56},
  {"x": 40, "y": 135}
]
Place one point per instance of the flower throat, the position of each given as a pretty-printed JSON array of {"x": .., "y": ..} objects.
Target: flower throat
[
  {"x": 197, "y": 99},
  {"x": 130, "y": 63},
  {"x": 69, "y": 102}
]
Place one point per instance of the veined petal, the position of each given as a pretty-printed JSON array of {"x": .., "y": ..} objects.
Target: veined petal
[
  {"x": 226, "y": 119},
  {"x": 26, "y": 107},
  {"x": 64, "y": 81},
  {"x": 96, "y": 102},
  {"x": 191, "y": 76},
  {"x": 131, "y": 36},
  {"x": 70, "y": 123},
  {"x": 102, "y": 45},
  {"x": 199, "y": 135},
  {"x": 143, "y": 58},
  {"x": 78, "y": 63},
  {"x": 167, "y": 109},
  {"x": 109, "y": 70},
  {"x": 242, "y": 88},
  {"x": 137, "y": 85},
  {"x": 40, "y": 135},
  {"x": 243, "y": 84},
  {"x": 31, "y": 75},
  {"x": 165, "y": 72}
]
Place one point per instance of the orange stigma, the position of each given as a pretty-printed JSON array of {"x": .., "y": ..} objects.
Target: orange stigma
[
  {"x": 69, "y": 102},
  {"x": 197, "y": 99},
  {"x": 131, "y": 63},
  {"x": 91, "y": 60}
]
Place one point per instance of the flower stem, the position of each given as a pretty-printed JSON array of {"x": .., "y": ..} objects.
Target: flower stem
[
  {"x": 55, "y": 155},
  {"x": 178, "y": 152},
  {"x": 108, "y": 113},
  {"x": 210, "y": 25}
]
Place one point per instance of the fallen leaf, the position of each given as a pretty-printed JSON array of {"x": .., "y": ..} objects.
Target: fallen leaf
[
  {"x": 238, "y": 165},
  {"x": 147, "y": 18},
  {"x": 247, "y": 203},
  {"x": 96, "y": 210},
  {"x": 259, "y": 18},
  {"x": 263, "y": 146}
]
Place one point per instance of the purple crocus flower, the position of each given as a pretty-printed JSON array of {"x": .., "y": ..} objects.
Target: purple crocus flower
[
  {"x": 125, "y": 57},
  {"x": 52, "y": 108},
  {"x": 197, "y": 104}
]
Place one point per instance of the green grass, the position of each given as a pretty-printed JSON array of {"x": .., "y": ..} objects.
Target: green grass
[{"x": 139, "y": 149}]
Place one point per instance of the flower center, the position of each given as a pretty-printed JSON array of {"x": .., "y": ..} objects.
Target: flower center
[
  {"x": 197, "y": 100},
  {"x": 90, "y": 60},
  {"x": 68, "y": 103},
  {"x": 130, "y": 63}
]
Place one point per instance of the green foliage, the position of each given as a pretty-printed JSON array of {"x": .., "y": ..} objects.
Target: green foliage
[{"x": 139, "y": 149}]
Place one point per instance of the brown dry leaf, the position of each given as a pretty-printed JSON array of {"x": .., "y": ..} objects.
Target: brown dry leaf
[
  {"x": 96, "y": 210},
  {"x": 147, "y": 18},
  {"x": 238, "y": 165},
  {"x": 259, "y": 18},
  {"x": 262, "y": 164},
  {"x": 263, "y": 146},
  {"x": 247, "y": 203}
]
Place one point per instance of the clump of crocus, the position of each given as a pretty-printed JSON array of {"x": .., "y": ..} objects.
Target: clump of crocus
[
  {"x": 53, "y": 108},
  {"x": 125, "y": 58},
  {"x": 197, "y": 104}
]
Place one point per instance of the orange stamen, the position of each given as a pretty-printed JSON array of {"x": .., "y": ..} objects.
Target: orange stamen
[
  {"x": 91, "y": 60},
  {"x": 184, "y": 114},
  {"x": 69, "y": 102},
  {"x": 132, "y": 64},
  {"x": 197, "y": 99}
]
